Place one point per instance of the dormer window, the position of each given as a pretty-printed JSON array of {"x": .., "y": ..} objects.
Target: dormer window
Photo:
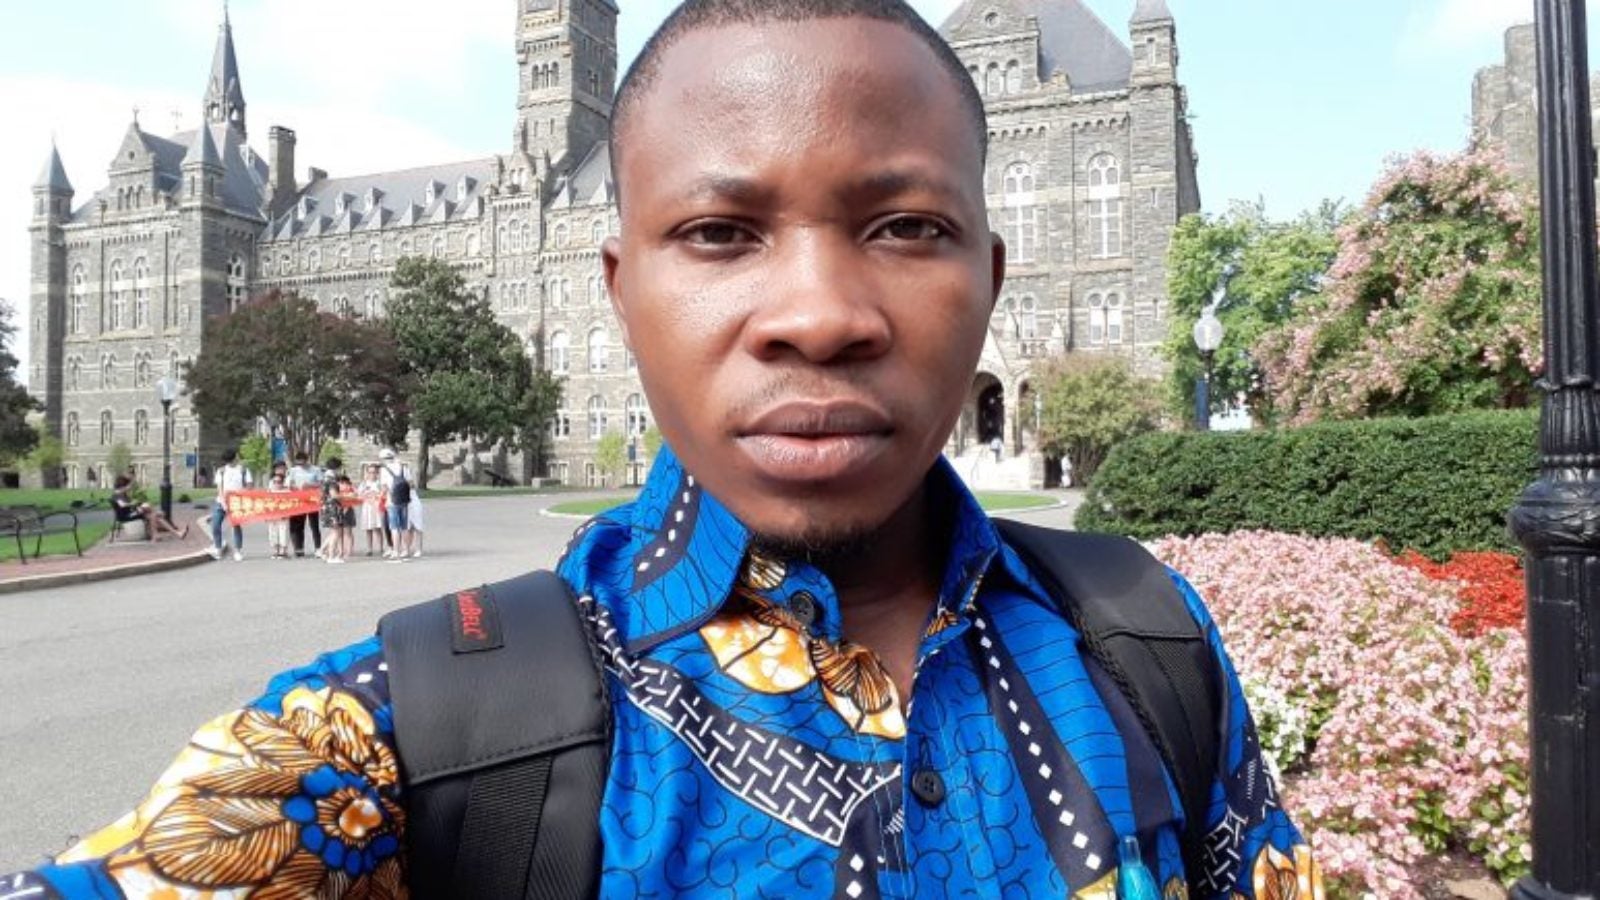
[
  {"x": 432, "y": 193},
  {"x": 463, "y": 188},
  {"x": 340, "y": 204},
  {"x": 371, "y": 201},
  {"x": 304, "y": 208}
]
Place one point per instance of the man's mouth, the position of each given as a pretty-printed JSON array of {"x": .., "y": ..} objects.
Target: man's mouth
[{"x": 815, "y": 441}]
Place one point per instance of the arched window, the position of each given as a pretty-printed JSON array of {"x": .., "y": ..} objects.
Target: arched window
[
  {"x": 1028, "y": 318},
  {"x": 638, "y": 415},
  {"x": 977, "y": 77},
  {"x": 370, "y": 304},
  {"x": 313, "y": 260},
  {"x": 1019, "y": 214},
  {"x": 1105, "y": 206},
  {"x": 141, "y": 293},
  {"x": 439, "y": 247},
  {"x": 344, "y": 256},
  {"x": 561, "y": 425},
  {"x": 558, "y": 292},
  {"x": 1013, "y": 77},
  {"x": 994, "y": 82},
  {"x": 74, "y": 373},
  {"x": 1097, "y": 319},
  {"x": 561, "y": 235},
  {"x": 597, "y": 232},
  {"x": 597, "y": 290},
  {"x": 342, "y": 307},
  {"x": 74, "y": 430},
  {"x": 597, "y": 417},
  {"x": 599, "y": 349},
  {"x": 1105, "y": 319},
  {"x": 141, "y": 427},
  {"x": 473, "y": 245},
  {"x": 503, "y": 239},
  {"x": 236, "y": 286},
  {"x": 108, "y": 372},
  {"x": 1114, "y": 329},
  {"x": 119, "y": 297},
  {"x": 286, "y": 263},
  {"x": 142, "y": 375},
  {"x": 108, "y": 429},
  {"x": 559, "y": 345},
  {"x": 514, "y": 239},
  {"x": 375, "y": 253},
  {"x": 78, "y": 315}
]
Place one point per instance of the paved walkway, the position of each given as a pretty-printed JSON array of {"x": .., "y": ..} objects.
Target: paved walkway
[{"x": 107, "y": 558}]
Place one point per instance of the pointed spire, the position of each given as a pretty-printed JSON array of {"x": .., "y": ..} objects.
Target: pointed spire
[
  {"x": 203, "y": 149},
  {"x": 224, "y": 101},
  {"x": 1149, "y": 11},
  {"x": 53, "y": 176}
]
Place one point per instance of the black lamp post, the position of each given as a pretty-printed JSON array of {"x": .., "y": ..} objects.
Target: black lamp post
[
  {"x": 166, "y": 392},
  {"x": 1207, "y": 338},
  {"x": 1557, "y": 520}
]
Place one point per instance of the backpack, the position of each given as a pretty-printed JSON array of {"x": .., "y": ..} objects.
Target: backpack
[
  {"x": 400, "y": 488},
  {"x": 503, "y": 787}
]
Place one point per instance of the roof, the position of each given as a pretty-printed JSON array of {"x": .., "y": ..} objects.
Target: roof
[
  {"x": 590, "y": 183},
  {"x": 224, "y": 87},
  {"x": 1072, "y": 39},
  {"x": 403, "y": 197},
  {"x": 1151, "y": 11},
  {"x": 54, "y": 174},
  {"x": 203, "y": 150},
  {"x": 244, "y": 173}
]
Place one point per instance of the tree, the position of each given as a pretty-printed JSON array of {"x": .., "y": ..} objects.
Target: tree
[
  {"x": 473, "y": 377},
  {"x": 47, "y": 456},
  {"x": 330, "y": 449},
  {"x": 256, "y": 454},
  {"x": 308, "y": 373},
  {"x": 1268, "y": 268},
  {"x": 118, "y": 459},
  {"x": 1089, "y": 404},
  {"x": 610, "y": 456},
  {"x": 1431, "y": 306},
  {"x": 540, "y": 403},
  {"x": 652, "y": 441},
  {"x": 17, "y": 437}
]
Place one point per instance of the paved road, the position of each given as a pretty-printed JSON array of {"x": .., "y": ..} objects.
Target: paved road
[{"x": 101, "y": 684}]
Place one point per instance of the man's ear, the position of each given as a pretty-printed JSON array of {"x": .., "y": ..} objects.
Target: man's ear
[
  {"x": 997, "y": 267},
  {"x": 611, "y": 266}
]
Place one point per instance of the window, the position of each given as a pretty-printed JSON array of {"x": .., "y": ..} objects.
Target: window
[
  {"x": 119, "y": 298},
  {"x": 370, "y": 304},
  {"x": 1105, "y": 319},
  {"x": 142, "y": 376},
  {"x": 286, "y": 263},
  {"x": 108, "y": 428},
  {"x": 559, "y": 343},
  {"x": 473, "y": 244},
  {"x": 597, "y": 232},
  {"x": 597, "y": 290},
  {"x": 629, "y": 360},
  {"x": 1105, "y": 205},
  {"x": 74, "y": 373},
  {"x": 1019, "y": 215},
  {"x": 1114, "y": 318},
  {"x": 141, "y": 427},
  {"x": 236, "y": 282},
  {"x": 439, "y": 247},
  {"x": 342, "y": 307},
  {"x": 313, "y": 260},
  {"x": 1013, "y": 77},
  {"x": 638, "y": 415},
  {"x": 172, "y": 364},
  {"x": 561, "y": 235},
  {"x": 74, "y": 430},
  {"x": 375, "y": 253},
  {"x": 563, "y": 472},
  {"x": 72, "y": 475},
  {"x": 994, "y": 83},
  {"x": 141, "y": 293},
  {"x": 79, "y": 312},
  {"x": 503, "y": 239},
  {"x": 599, "y": 349},
  {"x": 1028, "y": 318},
  {"x": 591, "y": 475},
  {"x": 561, "y": 425},
  {"x": 557, "y": 292},
  {"x": 344, "y": 256},
  {"x": 597, "y": 417},
  {"x": 514, "y": 237},
  {"x": 108, "y": 372}
]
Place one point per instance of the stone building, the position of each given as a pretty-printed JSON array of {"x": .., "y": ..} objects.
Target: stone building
[
  {"x": 1505, "y": 105},
  {"x": 1091, "y": 166}
]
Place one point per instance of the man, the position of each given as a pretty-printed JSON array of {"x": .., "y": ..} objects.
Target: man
[
  {"x": 397, "y": 489},
  {"x": 230, "y": 478},
  {"x": 304, "y": 476},
  {"x": 827, "y": 676}
]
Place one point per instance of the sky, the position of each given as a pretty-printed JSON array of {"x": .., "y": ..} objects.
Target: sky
[{"x": 1292, "y": 101}]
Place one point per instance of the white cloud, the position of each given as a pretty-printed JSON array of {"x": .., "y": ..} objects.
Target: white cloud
[{"x": 1453, "y": 26}]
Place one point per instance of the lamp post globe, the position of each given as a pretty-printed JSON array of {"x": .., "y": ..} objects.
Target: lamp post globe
[
  {"x": 166, "y": 392},
  {"x": 1208, "y": 333}
]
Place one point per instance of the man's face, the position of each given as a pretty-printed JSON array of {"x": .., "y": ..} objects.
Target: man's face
[{"x": 805, "y": 270}]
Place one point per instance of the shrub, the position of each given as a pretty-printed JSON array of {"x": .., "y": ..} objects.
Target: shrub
[
  {"x": 1418, "y": 737},
  {"x": 1089, "y": 404},
  {"x": 1437, "y": 485}
]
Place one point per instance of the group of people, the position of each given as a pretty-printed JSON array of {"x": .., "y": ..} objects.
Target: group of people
[{"x": 384, "y": 503}]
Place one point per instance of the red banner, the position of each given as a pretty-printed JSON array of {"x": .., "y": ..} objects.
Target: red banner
[{"x": 262, "y": 506}]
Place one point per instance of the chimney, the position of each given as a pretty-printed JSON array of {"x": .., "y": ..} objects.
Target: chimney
[{"x": 280, "y": 169}]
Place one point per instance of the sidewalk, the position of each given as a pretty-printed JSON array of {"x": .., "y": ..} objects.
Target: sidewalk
[{"x": 106, "y": 560}]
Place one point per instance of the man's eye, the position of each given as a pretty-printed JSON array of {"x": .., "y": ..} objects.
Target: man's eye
[
  {"x": 716, "y": 234},
  {"x": 913, "y": 228}
]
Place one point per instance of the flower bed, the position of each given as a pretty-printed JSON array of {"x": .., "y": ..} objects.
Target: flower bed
[
  {"x": 1399, "y": 736},
  {"x": 1491, "y": 587}
]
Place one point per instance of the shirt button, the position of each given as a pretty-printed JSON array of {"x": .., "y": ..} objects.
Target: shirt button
[
  {"x": 928, "y": 785},
  {"x": 804, "y": 607}
]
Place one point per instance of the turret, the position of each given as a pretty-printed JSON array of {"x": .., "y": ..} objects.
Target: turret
[
  {"x": 1155, "y": 46},
  {"x": 202, "y": 168},
  {"x": 52, "y": 192},
  {"x": 224, "y": 102},
  {"x": 52, "y": 208}
]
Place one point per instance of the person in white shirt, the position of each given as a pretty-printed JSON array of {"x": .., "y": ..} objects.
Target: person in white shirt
[
  {"x": 303, "y": 476},
  {"x": 398, "y": 489},
  {"x": 230, "y": 477}
]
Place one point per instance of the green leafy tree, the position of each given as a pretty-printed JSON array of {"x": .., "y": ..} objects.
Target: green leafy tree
[
  {"x": 610, "y": 456},
  {"x": 307, "y": 373},
  {"x": 1088, "y": 405},
  {"x": 472, "y": 374},
  {"x": 1431, "y": 305},
  {"x": 652, "y": 442},
  {"x": 256, "y": 454},
  {"x": 331, "y": 449},
  {"x": 46, "y": 458},
  {"x": 118, "y": 459},
  {"x": 17, "y": 437},
  {"x": 1267, "y": 269},
  {"x": 540, "y": 402}
]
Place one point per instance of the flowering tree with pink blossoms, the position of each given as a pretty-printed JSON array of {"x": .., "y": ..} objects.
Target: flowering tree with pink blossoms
[{"x": 1431, "y": 305}]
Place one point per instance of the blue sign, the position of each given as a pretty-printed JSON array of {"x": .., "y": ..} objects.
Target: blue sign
[
  {"x": 191, "y": 460},
  {"x": 280, "y": 449}
]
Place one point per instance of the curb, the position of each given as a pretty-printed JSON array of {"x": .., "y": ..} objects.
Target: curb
[{"x": 106, "y": 573}]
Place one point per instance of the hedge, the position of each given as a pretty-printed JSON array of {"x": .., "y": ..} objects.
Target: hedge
[{"x": 1436, "y": 485}]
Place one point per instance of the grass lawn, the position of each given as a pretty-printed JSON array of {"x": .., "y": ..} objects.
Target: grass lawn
[
  {"x": 990, "y": 501},
  {"x": 89, "y": 534}
]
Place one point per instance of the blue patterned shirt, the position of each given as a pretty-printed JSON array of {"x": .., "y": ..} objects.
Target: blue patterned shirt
[{"x": 757, "y": 752}]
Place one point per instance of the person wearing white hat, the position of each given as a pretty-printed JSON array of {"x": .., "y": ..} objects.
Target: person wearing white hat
[{"x": 397, "y": 491}]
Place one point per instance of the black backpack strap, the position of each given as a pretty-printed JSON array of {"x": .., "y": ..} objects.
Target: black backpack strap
[
  {"x": 503, "y": 730},
  {"x": 1137, "y": 626}
]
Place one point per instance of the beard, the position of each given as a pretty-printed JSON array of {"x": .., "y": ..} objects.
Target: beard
[{"x": 820, "y": 547}]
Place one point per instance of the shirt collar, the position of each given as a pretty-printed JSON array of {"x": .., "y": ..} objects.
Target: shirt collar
[{"x": 669, "y": 561}]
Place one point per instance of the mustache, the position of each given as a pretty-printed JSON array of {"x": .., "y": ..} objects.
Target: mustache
[{"x": 788, "y": 386}]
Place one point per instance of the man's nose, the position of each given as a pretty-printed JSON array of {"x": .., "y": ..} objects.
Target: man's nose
[{"x": 823, "y": 305}]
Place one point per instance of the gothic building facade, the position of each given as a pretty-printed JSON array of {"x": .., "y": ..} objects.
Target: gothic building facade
[{"x": 1091, "y": 166}]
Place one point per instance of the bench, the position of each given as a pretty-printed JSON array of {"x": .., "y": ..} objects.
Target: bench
[{"x": 27, "y": 521}]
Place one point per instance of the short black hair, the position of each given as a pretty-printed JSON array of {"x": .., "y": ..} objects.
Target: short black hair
[
  {"x": 693, "y": 15},
  {"x": 230, "y": 454}
]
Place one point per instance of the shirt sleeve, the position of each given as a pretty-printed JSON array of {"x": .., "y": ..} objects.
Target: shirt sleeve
[
  {"x": 1253, "y": 851},
  {"x": 295, "y": 795}
]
